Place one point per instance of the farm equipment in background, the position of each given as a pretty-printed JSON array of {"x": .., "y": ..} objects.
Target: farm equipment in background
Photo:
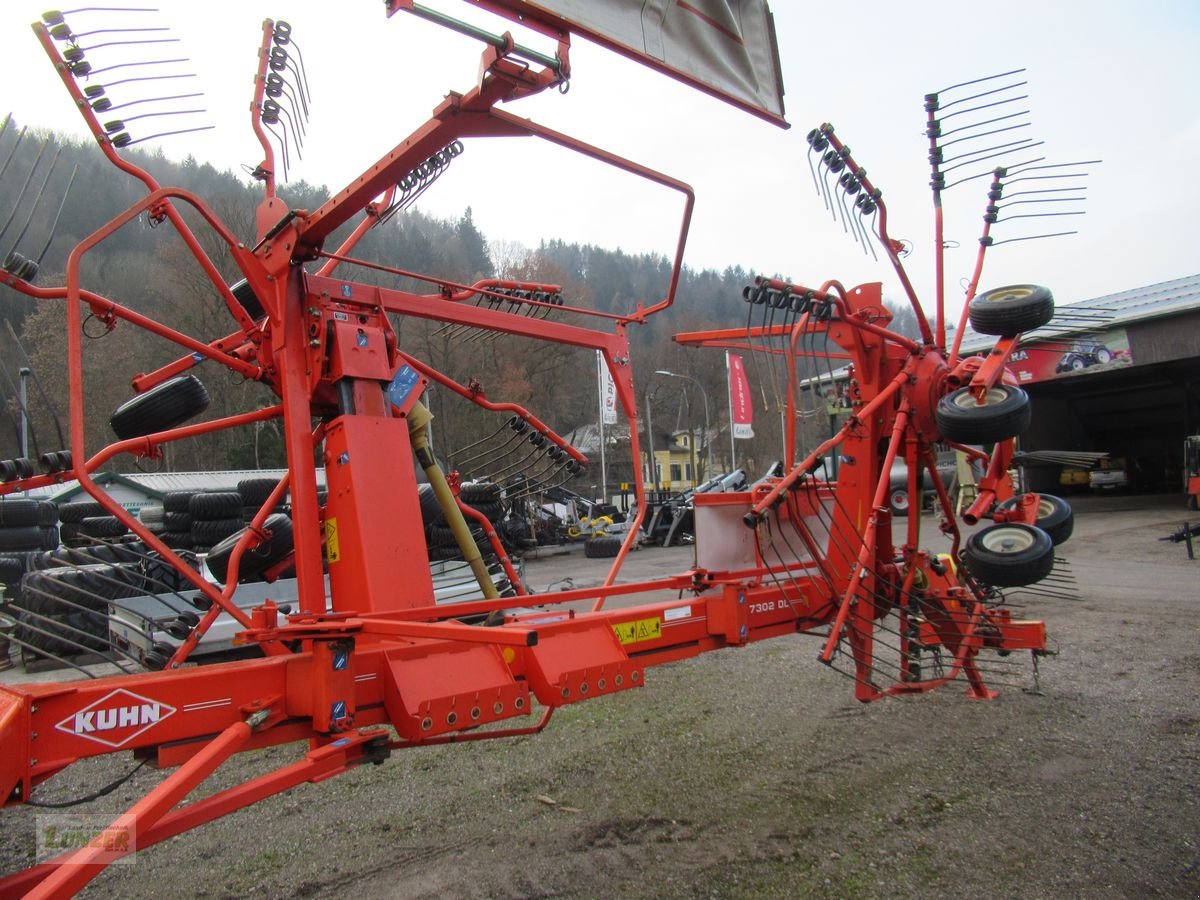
[
  {"x": 371, "y": 647},
  {"x": 1191, "y": 470},
  {"x": 672, "y": 521}
]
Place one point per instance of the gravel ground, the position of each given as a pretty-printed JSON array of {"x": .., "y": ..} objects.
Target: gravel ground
[{"x": 752, "y": 772}]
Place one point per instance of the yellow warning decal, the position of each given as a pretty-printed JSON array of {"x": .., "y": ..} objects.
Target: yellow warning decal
[
  {"x": 639, "y": 630},
  {"x": 332, "y": 551}
]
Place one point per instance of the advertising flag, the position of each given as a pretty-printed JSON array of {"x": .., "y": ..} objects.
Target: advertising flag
[
  {"x": 608, "y": 393},
  {"x": 741, "y": 406}
]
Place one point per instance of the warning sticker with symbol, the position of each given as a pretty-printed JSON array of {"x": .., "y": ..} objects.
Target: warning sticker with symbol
[
  {"x": 639, "y": 630},
  {"x": 332, "y": 550}
]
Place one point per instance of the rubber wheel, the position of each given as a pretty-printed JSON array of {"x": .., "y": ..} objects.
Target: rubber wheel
[
  {"x": 178, "y": 501},
  {"x": 245, "y": 295},
  {"x": 481, "y": 492},
  {"x": 431, "y": 511},
  {"x": 177, "y": 540},
  {"x": 601, "y": 547},
  {"x": 1005, "y": 413},
  {"x": 164, "y": 406},
  {"x": 255, "y": 560},
  {"x": 209, "y": 531},
  {"x": 27, "y": 537},
  {"x": 1007, "y": 311},
  {"x": 80, "y": 510},
  {"x": 1054, "y": 516},
  {"x": 1009, "y": 555},
  {"x": 255, "y": 491},
  {"x": 216, "y": 505},
  {"x": 15, "y": 513},
  {"x": 899, "y": 503},
  {"x": 102, "y": 527},
  {"x": 493, "y": 512},
  {"x": 177, "y": 521},
  {"x": 11, "y": 570},
  {"x": 1103, "y": 356}
]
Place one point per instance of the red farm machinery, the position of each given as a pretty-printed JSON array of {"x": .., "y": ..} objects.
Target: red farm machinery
[{"x": 367, "y": 661}]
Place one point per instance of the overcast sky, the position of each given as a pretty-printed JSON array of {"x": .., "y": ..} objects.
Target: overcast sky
[{"x": 1107, "y": 80}]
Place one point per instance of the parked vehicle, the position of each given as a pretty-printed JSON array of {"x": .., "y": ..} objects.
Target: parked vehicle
[
  {"x": 1191, "y": 470},
  {"x": 898, "y": 498},
  {"x": 1083, "y": 354},
  {"x": 1118, "y": 473}
]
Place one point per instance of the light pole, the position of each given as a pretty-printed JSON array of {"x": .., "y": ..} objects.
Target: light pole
[
  {"x": 650, "y": 443},
  {"x": 707, "y": 431}
]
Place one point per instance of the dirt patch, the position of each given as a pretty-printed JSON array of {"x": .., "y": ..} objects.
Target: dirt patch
[{"x": 752, "y": 772}]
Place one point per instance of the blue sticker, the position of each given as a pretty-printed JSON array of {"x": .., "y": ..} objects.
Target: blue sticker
[
  {"x": 346, "y": 289},
  {"x": 338, "y": 710},
  {"x": 341, "y": 660},
  {"x": 361, "y": 339},
  {"x": 402, "y": 385},
  {"x": 197, "y": 357}
]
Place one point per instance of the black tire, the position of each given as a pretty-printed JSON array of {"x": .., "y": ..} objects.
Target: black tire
[
  {"x": 47, "y": 514},
  {"x": 1103, "y": 356},
  {"x": 1009, "y": 555},
  {"x": 177, "y": 521},
  {"x": 27, "y": 537},
  {"x": 493, "y": 512},
  {"x": 277, "y": 546},
  {"x": 1010, "y": 310},
  {"x": 1006, "y": 413},
  {"x": 72, "y": 604},
  {"x": 1054, "y": 516},
  {"x": 249, "y": 300},
  {"x": 255, "y": 491},
  {"x": 50, "y": 537},
  {"x": 431, "y": 511},
  {"x": 11, "y": 570},
  {"x": 216, "y": 505},
  {"x": 601, "y": 547},
  {"x": 177, "y": 540},
  {"x": 102, "y": 527},
  {"x": 178, "y": 501},
  {"x": 80, "y": 510},
  {"x": 18, "y": 512},
  {"x": 898, "y": 500},
  {"x": 164, "y": 406},
  {"x": 482, "y": 492},
  {"x": 210, "y": 531}
]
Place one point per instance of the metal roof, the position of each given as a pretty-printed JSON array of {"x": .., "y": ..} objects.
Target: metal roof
[
  {"x": 158, "y": 483},
  {"x": 1154, "y": 301}
]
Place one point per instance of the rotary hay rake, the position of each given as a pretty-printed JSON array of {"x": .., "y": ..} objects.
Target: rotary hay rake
[{"x": 368, "y": 662}]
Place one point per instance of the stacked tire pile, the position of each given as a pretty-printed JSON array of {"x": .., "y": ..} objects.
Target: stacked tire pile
[
  {"x": 1008, "y": 554},
  {"x": 27, "y": 525},
  {"x": 215, "y": 516},
  {"x": 254, "y": 493},
  {"x": 484, "y": 497},
  {"x": 60, "y": 599},
  {"x": 176, "y": 530}
]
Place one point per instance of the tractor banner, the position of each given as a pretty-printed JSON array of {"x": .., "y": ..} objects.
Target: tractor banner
[
  {"x": 1084, "y": 354},
  {"x": 741, "y": 405},
  {"x": 608, "y": 392}
]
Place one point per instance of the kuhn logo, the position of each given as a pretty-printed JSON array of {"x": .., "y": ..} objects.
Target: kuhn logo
[{"x": 116, "y": 719}]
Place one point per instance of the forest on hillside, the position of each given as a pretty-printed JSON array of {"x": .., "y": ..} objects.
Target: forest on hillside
[{"x": 146, "y": 267}]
